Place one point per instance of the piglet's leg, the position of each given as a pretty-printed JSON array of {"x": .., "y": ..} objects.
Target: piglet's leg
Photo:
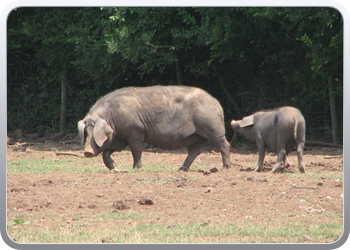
[
  {"x": 286, "y": 162},
  {"x": 280, "y": 160},
  {"x": 261, "y": 150},
  {"x": 300, "y": 158}
]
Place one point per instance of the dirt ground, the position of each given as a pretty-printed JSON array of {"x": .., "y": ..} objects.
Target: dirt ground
[{"x": 169, "y": 197}]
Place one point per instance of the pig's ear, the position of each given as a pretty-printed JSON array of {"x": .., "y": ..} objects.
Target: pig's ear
[
  {"x": 247, "y": 121},
  {"x": 234, "y": 124},
  {"x": 81, "y": 128},
  {"x": 101, "y": 132}
]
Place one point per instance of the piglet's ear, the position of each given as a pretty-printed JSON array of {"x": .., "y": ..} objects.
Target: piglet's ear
[
  {"x": 81, "y": 128},
  {"x": 247, "y": 121},
  {"x": 102, "y": 132}
]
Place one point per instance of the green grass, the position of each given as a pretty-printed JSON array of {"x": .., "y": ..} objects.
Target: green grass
[
  {"x": 48, "y": 166},
  {"x": 180, "y": 233},
  {"x": 121, "y": 216},
  {"x": 149, "y": 168},
  {"x": 22, "y": 231},
  {"x": 76, "y": 165}
]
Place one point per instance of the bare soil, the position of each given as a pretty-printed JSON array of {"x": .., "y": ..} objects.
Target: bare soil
[{"x": 168, "y": 197}]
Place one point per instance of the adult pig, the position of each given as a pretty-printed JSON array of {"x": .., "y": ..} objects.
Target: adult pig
[
  {"x": 165, "y": 116},
  {"x": 279, "y": 129}
]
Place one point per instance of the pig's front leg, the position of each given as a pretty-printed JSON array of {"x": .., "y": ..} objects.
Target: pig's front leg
[
  {"x": 261, "y": 150},
  {"x": 106, "y": 156}
]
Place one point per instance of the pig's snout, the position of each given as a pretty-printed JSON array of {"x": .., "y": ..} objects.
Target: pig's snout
[
  {"x": 232, "y": 123},
  {"x": 89, "y": 151},
  {"x": 89, "y": 154}
]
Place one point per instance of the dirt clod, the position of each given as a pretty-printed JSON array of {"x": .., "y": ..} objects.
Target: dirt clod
[
  {"x": 182, "y": 184},
  {"x": 120, "y": 205},
  {"x": 107, "y": 240},
  {"x": 145, "y": 202},
  {"x": 213, "y": 170}
]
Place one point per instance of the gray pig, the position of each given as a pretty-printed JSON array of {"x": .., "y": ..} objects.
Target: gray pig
[
  {"x": 165, "y": 116},
  {"x": 279, "y": 129}
]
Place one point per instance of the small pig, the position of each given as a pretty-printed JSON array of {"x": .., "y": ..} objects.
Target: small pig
[
  {"x": 165, "y": 116},
  {"x": 279, "y": 130}
]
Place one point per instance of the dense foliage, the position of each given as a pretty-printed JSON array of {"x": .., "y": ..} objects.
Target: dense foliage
[{"x": 248, "y": 58}]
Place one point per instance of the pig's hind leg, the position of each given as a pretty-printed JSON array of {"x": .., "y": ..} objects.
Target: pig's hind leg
[
  {"x": 193, "y": 151},
  {"x": 224, "y": 147},
  {"x": 136, "y": 148},
  {"x": 218, "y": 138}
]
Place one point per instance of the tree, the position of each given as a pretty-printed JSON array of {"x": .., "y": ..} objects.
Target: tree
[
  {"x": 156, "y": 38},
  {"x": 320, "y": 30},
  {"x": 248, "y": 58},
  {"x": 55, "y": 48}
]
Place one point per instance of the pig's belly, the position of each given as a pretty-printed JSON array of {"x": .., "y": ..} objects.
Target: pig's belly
[{"x": 171, "y": 142}]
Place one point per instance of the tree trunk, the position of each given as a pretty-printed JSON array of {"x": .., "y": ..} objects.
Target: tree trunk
[
  {"x": 178, "y": 70},
  {"x": 333, "y": 111},
  {"x": 63, "y": 103}
]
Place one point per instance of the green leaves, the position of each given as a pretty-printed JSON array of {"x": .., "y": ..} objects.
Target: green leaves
[
  {"x": 150, "y": 36},
  {"x": 17, "y": 222},
  {"x": 307, "y": 40},
  {"x": 265, "y": 56}
]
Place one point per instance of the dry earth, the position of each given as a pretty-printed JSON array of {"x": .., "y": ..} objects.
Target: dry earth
[{"x": 224, "y": 197}]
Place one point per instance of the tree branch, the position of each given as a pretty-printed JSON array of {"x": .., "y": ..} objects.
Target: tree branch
[{"x": 158, "y": 47}]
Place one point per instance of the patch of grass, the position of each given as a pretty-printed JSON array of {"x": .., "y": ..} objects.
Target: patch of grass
[
  {"x": 76, "y": 165},
  {"x": 48, "y": 166},
  {"x": 21, "y": 219},
  {"x": 151, "y": 168},
  {"x": 324, "y": 175},
  {"x": 335, "y": 176},
  {"x": 17, "y": 222},
  {"x": 121, "y": 216},
  {"x": 180, "y": 233},
  {"x": 334, "y": 216}
]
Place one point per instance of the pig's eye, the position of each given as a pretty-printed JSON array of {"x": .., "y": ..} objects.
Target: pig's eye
[{"x": 90, "y": 123}]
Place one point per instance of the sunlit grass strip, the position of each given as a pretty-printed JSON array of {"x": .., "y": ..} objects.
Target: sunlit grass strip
[
  {"x": 49, "y": 166},
  {"x": 121, "y": 216},
  {"x": 181, "y": 233}
]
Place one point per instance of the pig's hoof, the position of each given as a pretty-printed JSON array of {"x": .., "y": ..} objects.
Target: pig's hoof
[
  {"x": 227, "y": 166},
  {"x": 137, "y": 165},
  {"x": 183, "y": 168},
  {"x": 276, "y": 170},
  {"x": 110, "y": 166}
]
